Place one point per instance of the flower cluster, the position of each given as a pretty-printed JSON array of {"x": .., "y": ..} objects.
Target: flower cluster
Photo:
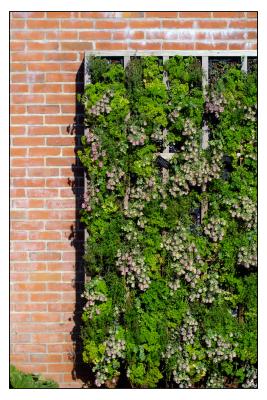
[
  {"x": 215, "y": 104},
  {"x": 94, "y": 296},
  {"x": 174, "y": 114},
  {"x": 218, "y": 349},
  {"x": 195, "y": 170},
  {"x": 188, "y": 329},
  {"x": 136, "y": 136},
  {"x": 251, "y": 381},
  {"x": 132, "y": 265},
  {"x": 215, "y": 229},
  {"x": 250, "y": 113},
  {"x": 102, "y": 105},
  {"x": 207, "y": 290},
  {"x": 244, "y": 209},
  {"x": 114, "y": 351},
  {"x": 114, "y": 177},
  {"x": 247, "y": 256},
  {"x": 215, "y": 381}
]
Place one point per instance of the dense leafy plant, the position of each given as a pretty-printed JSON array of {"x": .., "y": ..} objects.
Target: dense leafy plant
[
  {"x": 171, "y": 296},
  {"x": 20, "y": 380}
]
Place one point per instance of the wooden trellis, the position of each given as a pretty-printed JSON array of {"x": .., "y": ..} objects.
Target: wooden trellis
[{"x": 207, "y": 58}]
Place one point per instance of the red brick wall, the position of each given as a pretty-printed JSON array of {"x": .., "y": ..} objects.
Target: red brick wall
[{"x": 47, "y": 49}]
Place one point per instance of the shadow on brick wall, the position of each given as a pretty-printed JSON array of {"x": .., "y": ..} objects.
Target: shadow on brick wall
[{"x": 80, "y": 370}]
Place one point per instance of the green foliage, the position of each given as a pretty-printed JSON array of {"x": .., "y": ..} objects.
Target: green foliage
[
  {"x": 171, "y": 297},
  {"x": 20, "y": 380}
]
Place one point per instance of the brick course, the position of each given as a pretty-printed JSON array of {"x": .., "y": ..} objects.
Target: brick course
[{"x": 47, "y": 50}]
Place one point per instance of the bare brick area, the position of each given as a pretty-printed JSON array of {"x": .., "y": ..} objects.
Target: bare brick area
[{"x": 47, "y": 52}]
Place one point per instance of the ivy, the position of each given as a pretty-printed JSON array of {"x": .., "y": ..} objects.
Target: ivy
[{"x": 171, "y": 259}]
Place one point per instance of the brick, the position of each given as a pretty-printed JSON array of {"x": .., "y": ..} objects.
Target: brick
[
  {"x": 45, "y": 256},
  {"x": 19, "y": 256},
  {"x": 29, "y": 266},
  {"x": 60, "y": 367},
  {"x": 161, "y": 14},
  {"x": 76, "y": 24},
  {"x": 18, "y": 276},
  {"x": 44, "y": 151},
  {"x": 20, "y": 338},
  {"x": 18, "y": 297},
  {"x": 43, "y": 67},
  {"x": 16, "y": 358},
  {"x": 45, "y": 276},
  {"x": 46, "y": 358},
  {"x": 48, "y": 338},
  {"x": 132, "y": 35},
  {"x": 43, "y": 130},
  {"x": 28, "y": 14},
  {"x": 26, "y": 141},
  {"x": 17, "y": 24},
  {"x": 94, "y": 35},
  {"x": 17, "y": 46},
  {"x": 17, "y": 109},
  {"x": 62, "y": 287},
  {"x": 177, "y": 46},
  {"x": 43, "y": 109},
  {"x": 61, "y": 307},
  {"x": 44, "y": 172},
  {"x": 111, "y": 46},
  {"x": 59, "y": 348},
  {"x": 106, "y": 24},
  {"x": 26, "y": 120},
  {"x": 71, "y": 56},
  {"x": 15, "y": 214},
  {"x": 60, "y": 77},
  {"x": 40, "y": 193},
  {"x": 20, "y": 317},
  {"x": 60, "y": 99},
  {"x": 32, "y": 348},
  {"x": 177, "y": 24},
  {"x": 26, "y": 246},
  {"x": 43, "y": 235},
  {"x": 31, "y": 287},
  {"x": 45, "y": 317},
  {"x": 25, "y": 56},
  {"x": 142, "y": 24},
  {"x": 228, "y": 14},
  {"x": 61, "y": 141},
  {"x": 59, "y": 14},
  {"x": 27, "y": 35},
  {"x": 252, "y": 14},
  {"x": 42, "y": 46},
  {"x": 59, "y": 161},
  {"x": 61, "y": 35},
  {"x": 18, "y": 88},
  {"x": 46, "y": 88},
  {"x": 42, "y": 24},
  {"x": 246, "y": 24},
  {"x": 21, "y": 152},
  {"x": 59, "y": 119},
  {"x": 76, "y": 46},
  {"x": 242, "y": 46},
  {"x": 27, "y": 98},
  {"x": 18, "y": 236},
  {"x": 45, "y": 297},
  {"x": 145, "y": 46},
  {"x": 32, "y": 225},
  {"x": 27, "y": 162},
  {"x": 212, "y": 24},
  {"x": 28, "y": 77},
  {"x": 211, "y": 46},
  {"x": 30, "y": 307},
  {"x": 33, "y": 182},
  {"x": 34, "y": 368}
]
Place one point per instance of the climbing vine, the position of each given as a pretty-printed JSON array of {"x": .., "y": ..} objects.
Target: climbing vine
[{"x": 171, "y": 292}]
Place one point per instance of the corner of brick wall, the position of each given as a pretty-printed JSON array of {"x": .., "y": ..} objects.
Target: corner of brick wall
[{"x": 47, "y": 50}]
